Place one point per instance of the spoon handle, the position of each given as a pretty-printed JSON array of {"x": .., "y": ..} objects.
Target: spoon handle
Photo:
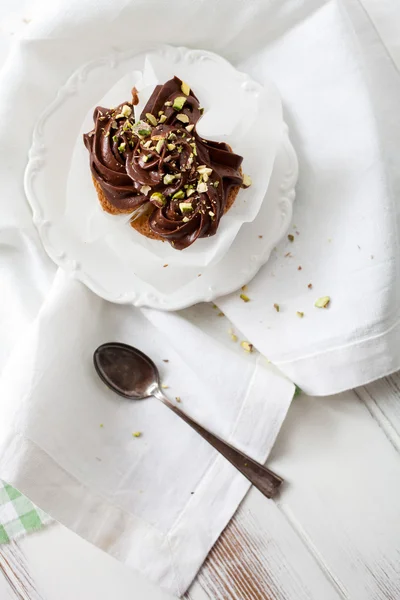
[{"x": 262, "y": 478}]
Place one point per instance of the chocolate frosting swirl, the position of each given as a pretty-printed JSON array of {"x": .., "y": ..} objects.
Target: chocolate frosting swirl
[{"x": 161, "y": 162}]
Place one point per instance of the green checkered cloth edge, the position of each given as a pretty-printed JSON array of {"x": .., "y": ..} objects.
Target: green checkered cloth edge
[{"x": 18, "y": 515}]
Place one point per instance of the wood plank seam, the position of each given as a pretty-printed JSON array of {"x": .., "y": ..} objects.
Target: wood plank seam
[
  {"x": 307, "y": 542},
  {"x": 15, "y": 570},
  {"x": 233, "y": 569},
  {"x": 379, "y": 416},
  {"x": 4, "y": 570}
]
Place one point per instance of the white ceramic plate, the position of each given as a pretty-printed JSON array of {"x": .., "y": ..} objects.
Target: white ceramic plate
[{"x": 104, "y": 252}]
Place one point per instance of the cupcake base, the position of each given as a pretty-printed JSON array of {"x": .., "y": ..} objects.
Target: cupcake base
[{"x": 141, "y": 224}]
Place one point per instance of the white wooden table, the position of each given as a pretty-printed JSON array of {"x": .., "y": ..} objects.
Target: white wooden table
[{"x": 333, "y": 534}]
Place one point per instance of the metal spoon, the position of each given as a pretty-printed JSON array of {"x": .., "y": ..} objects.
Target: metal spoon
[{"x": 132, "y": 374}]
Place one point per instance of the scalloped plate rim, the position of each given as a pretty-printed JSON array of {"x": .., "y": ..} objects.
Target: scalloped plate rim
[{"x": 35, "y": 161}]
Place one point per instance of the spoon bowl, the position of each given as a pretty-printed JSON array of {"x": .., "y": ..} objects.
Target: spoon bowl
[{"x": 126, "y": 370}]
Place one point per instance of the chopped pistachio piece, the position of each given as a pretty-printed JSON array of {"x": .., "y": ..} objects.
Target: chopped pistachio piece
[
  {"x": 145, "y": 189},
  {"x": 178, "y": 195},
  {"x": 142, "y": 129},
  {"x": 201, "y": 109},
  {"x": 136, "y": 433},
  {"x": 234, "y": 337},
  {"x": 114, "y": 138},
  {"x": 145, "y": 158},
  {"x": 300, "y": 314},
  {"x": 247, "y": 181},
  {"x": 203, "y": 170},
  {"x": 147, "y": 144},
  {"x": 277, "y": 307},
  {"x": 162, "y": 119},
  {"x": 185, "y": 219},
  {"x": 185, "y": 207},
  {"x": 247, "y": 346},
  {"x": 127, "y": 125},
  {"x": 190, "y": 192},
  {"x": 185, "y": 88},
  {"x": 290, "y": 237},
  {"x": 182, "y": 118},
  {"x": 189, "y": 128},
  {"x": 211, "y": 213},
  {"x": 171, "y": 146},
  {"x": 160, "y": 112},
  {"x": 159, "y": 146},
  {"x": 169, "y": 103},
  {"x": 121, "y": 147},
  {"x": 179, "y": 102},
  {"x": 168, "y": 178},
  {"x": 202, "y": 188},
  {"x": 126, "y": 111},
  {"x": 158, "y": 199},
  {"x": 245, "y": 298},
  {"x": 178, "y": 399},
  {"x": 156, "y": 137},
  {"x": 164, "y": 387},
  {"x": 151, "y": 119},
  {"x": 322, "y": 302},
  {"x": 216, "y": 184}
]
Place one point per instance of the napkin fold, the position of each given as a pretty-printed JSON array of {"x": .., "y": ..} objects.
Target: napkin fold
[{"x": 158, "y": 502}]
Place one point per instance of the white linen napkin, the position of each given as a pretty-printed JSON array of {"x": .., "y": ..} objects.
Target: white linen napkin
[
  {"x": 341, "y": 92},
  {"x": 159, "y": 501},
  {"x": 132, "y": 496}
]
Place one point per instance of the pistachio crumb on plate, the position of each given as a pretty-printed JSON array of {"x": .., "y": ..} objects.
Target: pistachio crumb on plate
[
  {"x": 247, "y": 346},
  {"x": 322, "y": 302}
]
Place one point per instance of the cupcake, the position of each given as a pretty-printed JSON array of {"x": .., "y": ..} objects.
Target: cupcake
[{"x": 176, "y": 185}]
